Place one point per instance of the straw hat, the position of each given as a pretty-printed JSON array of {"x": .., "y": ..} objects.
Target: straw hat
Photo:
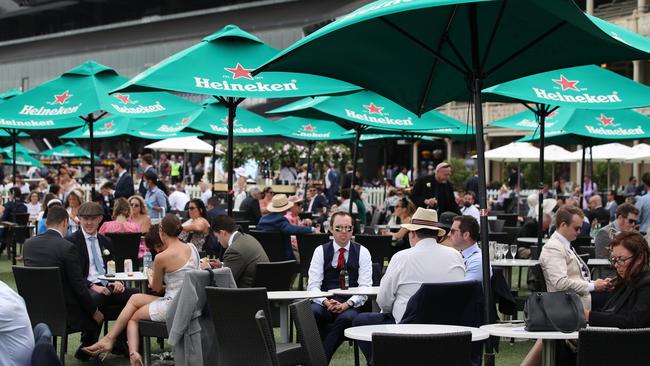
[
  {"x": 279, "y": 203},
  {"x": 424, "y": 219}
]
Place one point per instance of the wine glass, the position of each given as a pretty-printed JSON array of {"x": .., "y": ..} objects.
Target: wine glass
[
  {"x": 326, "y": 227},
  {"x": 375, "y": 229},
  {"x": 362, "y": 229},
  {"x": 513, "y": 251},
  {"x": 504, "y": 251}
]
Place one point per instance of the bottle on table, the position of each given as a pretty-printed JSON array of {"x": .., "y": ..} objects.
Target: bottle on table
[
  {"x": 147, "y": 262},
  {"x": 344, "y": 278}
]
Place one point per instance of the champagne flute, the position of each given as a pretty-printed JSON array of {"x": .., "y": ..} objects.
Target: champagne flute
[{"x": 513, "y": 250}]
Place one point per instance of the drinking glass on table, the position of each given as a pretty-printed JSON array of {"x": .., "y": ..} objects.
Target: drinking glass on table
[
  {"x": 375, "y": 229},
  {"x": 513, "y": 250},
  {"x": 362, "y": 229}
]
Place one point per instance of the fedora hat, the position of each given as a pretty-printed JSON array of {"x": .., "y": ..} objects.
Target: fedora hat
[
  {"x": 279, "y": 203},
  {"x": 424, "y": 219}
]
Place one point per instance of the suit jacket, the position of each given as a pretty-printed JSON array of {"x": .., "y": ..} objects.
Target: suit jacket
[
  {"x": 124, "y": 186},
  {"x": 428, "y": 187},
  {"x": 242, "y": 257},
  {"x": 320, "y": 201},
  {"x": 563, "y": 270},
  {"x": 51, "y": 250},
  {"x": 252, "y": 208},
  {"x": 276, "y": 222},
  {"x": 629, "y": 306},
  {"x": 77, "y": 238}
]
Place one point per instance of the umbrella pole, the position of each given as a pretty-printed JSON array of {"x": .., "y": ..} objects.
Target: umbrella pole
[
  {"x": 383, "y": 183},
  {"x": 212, "y": 163},
  {"x": 582, "y": 173},
  {"x": 14, "y": 167},
  {"x": 477, "y": 86},
  {"x": 354, "y": 166},
  {"x": 608, "y": 178},
  {"x": 591, "y": 167},
  {"x": 90, "y": 121},
  {"x": 310, "y": 145},
  {"x": 232, "y": 112},
  {"x": 541, "y": 110},
  {"x": 518, "y": 183}
]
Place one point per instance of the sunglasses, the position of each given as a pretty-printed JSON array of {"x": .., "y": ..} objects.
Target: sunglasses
[
  {"x": 135, "y": 205},
  {"x": 341, "y": 228}
]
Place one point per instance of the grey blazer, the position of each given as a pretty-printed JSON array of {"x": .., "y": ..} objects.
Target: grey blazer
[{"x": 242, "y": 257}]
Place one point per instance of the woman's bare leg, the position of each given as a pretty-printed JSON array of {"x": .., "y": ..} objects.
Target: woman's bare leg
[
  {"x": 132, "y": 330},
  {"x": 534, "y": 356}
]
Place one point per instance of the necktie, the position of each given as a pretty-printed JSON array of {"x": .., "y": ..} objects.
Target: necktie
[
  {"x": 97, "y": 257},
  {"x": 341, "y": 262},
  {"x": 583, "y": 268}
]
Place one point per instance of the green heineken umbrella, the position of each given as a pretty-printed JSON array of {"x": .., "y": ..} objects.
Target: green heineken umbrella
[
  {"x": 20, "y": 149},
  {"x": 83, "y": 92},
  {"x": 21, "y": 159},
  {"x": 221, "y": 65},
  {"x": 67, "y": 150},
  {"x": 425, "y": 53}
]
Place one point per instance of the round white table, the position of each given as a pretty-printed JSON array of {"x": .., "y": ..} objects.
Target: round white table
[
  {"x": 283, "y": 299},
  {"x": 518, "y": 331},
  {"x": 364, "y": 333},
  {"x": 137, "y": 276},
  {"x": 372, "y": 291},
  {"x": 507, "y": 265}
]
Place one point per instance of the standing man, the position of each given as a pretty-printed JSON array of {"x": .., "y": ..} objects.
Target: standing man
[
  {"x": 435, "y": 191},
  {"x": 469, "y": 206},
  {"x": 178, "y": 199},
  {"x": 175, "y": 167},
  {"x": 147, "y": 167},
  {"x": 611, "y": 205},
  {"x": 425, "y": 262},
  {"x": 332, "y": 178},
  {"x": 243, "y": 251},
  {"x": 326, "y": 264},
  {"x": 643, "y": 204},
  {"x": 50, "y": 249},
  {"x": 464, "y": 234},
  {"x": 155, "y": 198},
  {"x": 124, "y": 184},
  {"x": 402, "y": 180}
]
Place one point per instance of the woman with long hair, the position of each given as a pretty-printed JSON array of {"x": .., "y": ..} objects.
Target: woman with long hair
[
  {"x": 404, "y": 210},
  {"x": 197, "y": 228},
  {"x": 170, "y": 265},
  {"x": 72, "y": 204},
  {"x": 120, "y": 223},
  {"x": 139, "y": 216}
]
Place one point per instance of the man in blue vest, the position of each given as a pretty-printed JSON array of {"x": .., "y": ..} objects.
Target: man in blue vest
[{"x": 326, "y": 265}]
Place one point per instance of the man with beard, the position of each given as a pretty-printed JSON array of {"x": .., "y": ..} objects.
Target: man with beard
[
  {"x": 435, "y": 191},
  {"x": 469, "y": 208}
]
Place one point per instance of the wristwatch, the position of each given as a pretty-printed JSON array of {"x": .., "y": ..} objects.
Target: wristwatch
[{"x": 350, "y": 303}]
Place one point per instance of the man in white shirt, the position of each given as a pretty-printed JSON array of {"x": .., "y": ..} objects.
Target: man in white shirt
[
  {"x": 326, "y": 264},
  {"x": 16, "y": 335},
  {"x": 425, "y": 262},
  {"x": 178, "y": 199},
  {"x": 469, "y": 207},
  {"x": 20, "y": 183}
]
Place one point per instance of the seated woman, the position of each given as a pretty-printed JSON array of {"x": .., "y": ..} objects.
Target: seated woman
[
  {"x": 72, "y": 204},
  {"x": 139, "y": 216},
  {"x": 629, "y": 305},
  {"x": 404, "y": 210},
  {"x": 34, "y": 206},
  {"x": 197, "y": 228},
  {"x": 170, "y": 265},
  {"x": 120, "y": 223}
]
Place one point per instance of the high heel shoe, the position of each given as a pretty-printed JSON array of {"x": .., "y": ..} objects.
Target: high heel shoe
[
  {"x": 100, "y": 349},
  {"x": 135, "y": 359}
]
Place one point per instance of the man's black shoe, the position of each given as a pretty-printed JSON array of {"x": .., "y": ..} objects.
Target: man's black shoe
[{"x": 82, "y": 356}]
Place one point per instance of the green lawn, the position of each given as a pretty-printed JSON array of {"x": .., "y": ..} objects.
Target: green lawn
[{"x": 509, "y": 355}]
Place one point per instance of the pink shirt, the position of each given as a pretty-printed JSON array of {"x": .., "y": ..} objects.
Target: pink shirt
[{"x": 119, "y": 227}]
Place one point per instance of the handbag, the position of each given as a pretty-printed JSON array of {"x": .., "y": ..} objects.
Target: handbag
[{"x": 560, "y": 311}]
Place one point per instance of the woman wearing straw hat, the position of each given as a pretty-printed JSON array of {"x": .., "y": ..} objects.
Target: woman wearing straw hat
[{"x": 275, "y": 221}]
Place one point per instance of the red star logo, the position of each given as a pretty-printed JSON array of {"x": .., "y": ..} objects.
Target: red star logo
[
  {"x": 309, "y": 128},
  {"x": 20, "y": 158},
  {"x": 606, "y": 121},
  {"x": 61, "y": 98},
  {"x": 373, "y": 109},
  {"x": 240, "y": 72},
  {"x": 124, "y": 98},
  {"x": 65, "y": 151},
  {"x": 566, "y": 84},
  {"x": 226, "y": 121},
  {"x": 109, "y": 125},
  {"x": 184, "y": 121}
]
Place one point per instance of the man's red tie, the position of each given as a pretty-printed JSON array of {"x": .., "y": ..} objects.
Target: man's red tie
[{"x": 341, "y": 262}]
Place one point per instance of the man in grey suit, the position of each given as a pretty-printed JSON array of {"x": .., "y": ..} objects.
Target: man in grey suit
[
  {"x": 243, "y": 252},
  {"x": 50, "y": 249}
]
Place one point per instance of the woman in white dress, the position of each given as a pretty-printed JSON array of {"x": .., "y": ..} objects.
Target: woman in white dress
[{"x": 173, "y": 260}]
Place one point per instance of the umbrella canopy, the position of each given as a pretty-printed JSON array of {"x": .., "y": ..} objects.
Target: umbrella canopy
[
  {"x": 514, "y": 151},
  {"x": 155, "y": 128},
  {"x": 20, "y": 149},
  {"x": 569, "y": 126},
  {"x": 67, "y": 150},
  {"x": 312, "y": 129},
  {"x": 21, "y": 159},
  {"x": 213, "y": 119},
  {"x": 4, "y": 133},
  {"x": 365, "y": 110},
  {"x": 585, "y": 87},
  {"x": 190, "y": 144},
  {"x": 221, "y": 65},
  {"x": 641, "y": 153},
  {"x": 556, "y": 153},
  {"x": 613, "y": 152}
]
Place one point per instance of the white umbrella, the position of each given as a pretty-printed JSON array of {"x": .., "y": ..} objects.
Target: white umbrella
[
  {"x": 640, "y": 154},
  {"x": 613, "y": 152},
  {"x": 554, "y": 153},
  {"x": 191, "y": 144},
  {"x": 515, "y": 151}
]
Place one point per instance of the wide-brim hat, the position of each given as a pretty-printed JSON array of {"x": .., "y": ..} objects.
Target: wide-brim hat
[
  {"x": 90, "y": 209},
  {"x": 424, "y": 219},
  {"x": 279, "y": 203},
  {"x": 446, "y": 220}
]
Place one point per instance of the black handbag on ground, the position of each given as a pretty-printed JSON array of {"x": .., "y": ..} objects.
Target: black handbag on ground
[{"x": 554, "y": 311}]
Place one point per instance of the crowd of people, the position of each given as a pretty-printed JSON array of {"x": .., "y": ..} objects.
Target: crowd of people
[{"x": 437, "y": 240}]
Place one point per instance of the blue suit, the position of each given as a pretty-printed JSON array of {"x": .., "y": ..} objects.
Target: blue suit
[
  {"x": 334, "y": 178},
  {"x": 276, "y": 222},
  {"x": 124, "y": 186},
  {"x": 319, "y": 202}
]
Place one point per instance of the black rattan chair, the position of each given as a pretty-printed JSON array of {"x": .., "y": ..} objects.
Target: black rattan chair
[
  {"x": 42, "y": 290},
  {"x": 275, "y": 276},
  {"x": 267, "y": 338},
  {"x": 125, "y": 246},
  {"x": 308, "y": 335},
  {"x": 272, "y": 242},
  {"x": 307, "y": 243},
  {"x": 631, "y": 347},
  {"x": 453, "y": 349},
  {"x": 510, "y": 219},
  {"x": 536, "y": 281},
  {"x": 150, "y": 329},
  {"x": 379, "y": 246},
  {"x": 496, "y": 225},
  {"x": 233, "y": 313}
]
